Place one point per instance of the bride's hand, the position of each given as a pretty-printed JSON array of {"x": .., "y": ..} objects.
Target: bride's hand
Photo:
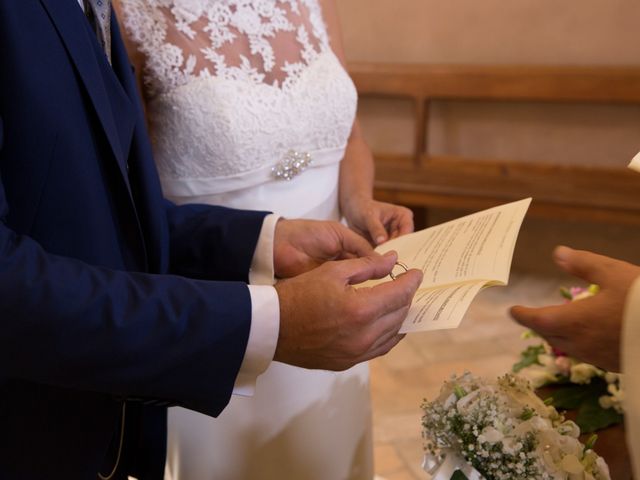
[
  {"x": 302, "y": 245},
  {"x": 378, "y": 221}
]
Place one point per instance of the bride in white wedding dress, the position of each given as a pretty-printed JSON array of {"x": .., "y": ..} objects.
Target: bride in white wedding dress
[{"x": 249, "y": 106}]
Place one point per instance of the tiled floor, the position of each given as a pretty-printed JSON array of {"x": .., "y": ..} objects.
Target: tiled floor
[{"x": 487, "y": 343}]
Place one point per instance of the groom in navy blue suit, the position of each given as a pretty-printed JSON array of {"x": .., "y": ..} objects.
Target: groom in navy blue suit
[{"x": 112, "y": 298}]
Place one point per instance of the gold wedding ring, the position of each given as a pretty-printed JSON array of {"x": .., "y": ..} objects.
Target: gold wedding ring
[{"x": 401, "y": 265}]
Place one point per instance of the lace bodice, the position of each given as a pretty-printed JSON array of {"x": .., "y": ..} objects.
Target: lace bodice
[
  {"x": 261, "y": 41},
  {"x": 234, "y": 85}
]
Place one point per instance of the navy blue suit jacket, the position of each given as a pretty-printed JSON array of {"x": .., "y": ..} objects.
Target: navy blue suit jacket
[{"x": 107, "y": 292}]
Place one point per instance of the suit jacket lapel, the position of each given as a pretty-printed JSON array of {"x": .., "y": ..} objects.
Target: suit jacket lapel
[
  {"x": 127, "y": 102},
  {"x": 74, "y": 34}
]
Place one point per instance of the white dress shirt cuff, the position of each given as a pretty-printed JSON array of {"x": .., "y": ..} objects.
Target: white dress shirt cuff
[
  {"x": 262, "y": 270},
  {"x": 263, "y": 338},
  {"x": 265, "y": 312}
]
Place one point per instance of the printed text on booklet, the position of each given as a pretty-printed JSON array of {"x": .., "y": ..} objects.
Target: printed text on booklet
[{"x": 458, "y": 259}]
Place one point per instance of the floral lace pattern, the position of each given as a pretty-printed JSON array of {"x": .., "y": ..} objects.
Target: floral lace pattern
[
  {"x": 233, "y": 85},
  {"x": 229, "y": 39}
]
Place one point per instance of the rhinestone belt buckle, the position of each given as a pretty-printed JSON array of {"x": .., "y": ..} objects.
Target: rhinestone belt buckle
[{"x": 293, "y": 163}]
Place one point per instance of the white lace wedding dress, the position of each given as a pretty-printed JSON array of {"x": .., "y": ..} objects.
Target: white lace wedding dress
[{"x": 248, "y": 107}]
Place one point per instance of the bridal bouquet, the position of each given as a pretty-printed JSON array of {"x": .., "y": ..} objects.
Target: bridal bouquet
[
  {"x": 491, "y": 430},
  {"x": 595, "y": 394}
]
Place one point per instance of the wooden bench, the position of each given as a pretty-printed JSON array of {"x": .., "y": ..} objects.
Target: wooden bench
[{"x": 599, "y": 193}]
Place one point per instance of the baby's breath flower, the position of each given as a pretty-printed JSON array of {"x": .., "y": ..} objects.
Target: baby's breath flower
[{"x": 505, "y": 431}]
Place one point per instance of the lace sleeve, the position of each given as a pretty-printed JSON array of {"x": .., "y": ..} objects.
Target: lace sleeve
[{"x": 259, "y": 41}]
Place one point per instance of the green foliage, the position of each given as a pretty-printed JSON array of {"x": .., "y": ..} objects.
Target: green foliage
[
  {"x": 591, "y": 442},
  {"x": 571, "y": 396},
  {"x": 592, "y": 417},
  {"x": 585, "y": 399},
  {"x": 529, "y": 357},
  {"x": 564, "y": 291},
  {"x": 459, "y": 391},
  {"x": 527, "y": 413}
]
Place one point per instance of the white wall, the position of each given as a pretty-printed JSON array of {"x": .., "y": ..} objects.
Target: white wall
[{"x": 493, "y": 31}]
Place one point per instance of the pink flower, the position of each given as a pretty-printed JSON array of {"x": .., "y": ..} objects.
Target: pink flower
[
  {"x": 563, "y": 363},
  {"x": 557, "y": 353},
  {"x": 575, "y": 291}
]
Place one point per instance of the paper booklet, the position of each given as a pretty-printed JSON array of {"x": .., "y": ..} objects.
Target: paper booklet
[{"x": 458, "y": 258}]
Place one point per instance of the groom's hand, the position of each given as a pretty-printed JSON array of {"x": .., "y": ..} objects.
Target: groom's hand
[
  {"x": 326, "y": 323},
  {"x": 302, "y": 245}
]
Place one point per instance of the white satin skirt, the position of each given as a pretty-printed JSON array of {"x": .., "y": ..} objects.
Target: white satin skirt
[{"x": 300, "y": 424}]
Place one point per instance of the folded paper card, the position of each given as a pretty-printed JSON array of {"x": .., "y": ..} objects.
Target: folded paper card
[{"x": 458, "y": 258}]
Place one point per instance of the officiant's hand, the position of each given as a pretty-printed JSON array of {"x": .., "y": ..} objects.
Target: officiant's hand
[
  {"x": 588, "y": 329},
  {"x": 377, "y": 221},
  {"x": 301, "y": 245},
  {"x": 326, "y": 323}
]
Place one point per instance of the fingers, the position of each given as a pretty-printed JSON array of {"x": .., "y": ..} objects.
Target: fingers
[
  {"x": 387, "y": 306},
  {"x": 392, "y": 296},
  {"x": 554, "y": 320},
  {"x": 353, "y": 245},
  {"x": 583, "y": 264},
  {"x": 383, "y": 348},
  {"x": 532, "y": 318},
  {"x": 389, "y": 222},
  {"x": 388, "y": 327},
  {"x": 376, "y": 229},
  {"x": 404, "y": 222},
  {"x": 358, "y": 270},
  {"x": 586, "y": 329}
]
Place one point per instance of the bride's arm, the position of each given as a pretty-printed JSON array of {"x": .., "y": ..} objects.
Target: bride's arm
[{"x": 377, "y": 221}]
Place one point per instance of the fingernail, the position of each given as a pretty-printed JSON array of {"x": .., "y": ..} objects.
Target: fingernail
[
  {"x": 380, "y": 239},
  {"x": 561, "y": 253},
  {"x": 390, "y": 253}
]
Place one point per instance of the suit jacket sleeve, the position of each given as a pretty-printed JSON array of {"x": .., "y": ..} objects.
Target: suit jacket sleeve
[
  {"x": 631, "y": 370},
  {"x": 70, "y": 324},
  {"x": 195, "y": 229}
]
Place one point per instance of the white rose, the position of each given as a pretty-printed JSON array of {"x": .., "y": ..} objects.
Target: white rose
[
  {"x": 490, "y": 435},
  {"x": 569, "y": 428},
  {"x": 468, "y": 402},
  {"x": 547, "y": 361},
  {"x": 571, "y": 465},
  {"x": 611, "y": 377},
  {"x": 603, "y": 468},
  {"x": 450, "y": 401},
  {"x": 582, "y": 373},
  {"x": 538, "y": 375}
]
